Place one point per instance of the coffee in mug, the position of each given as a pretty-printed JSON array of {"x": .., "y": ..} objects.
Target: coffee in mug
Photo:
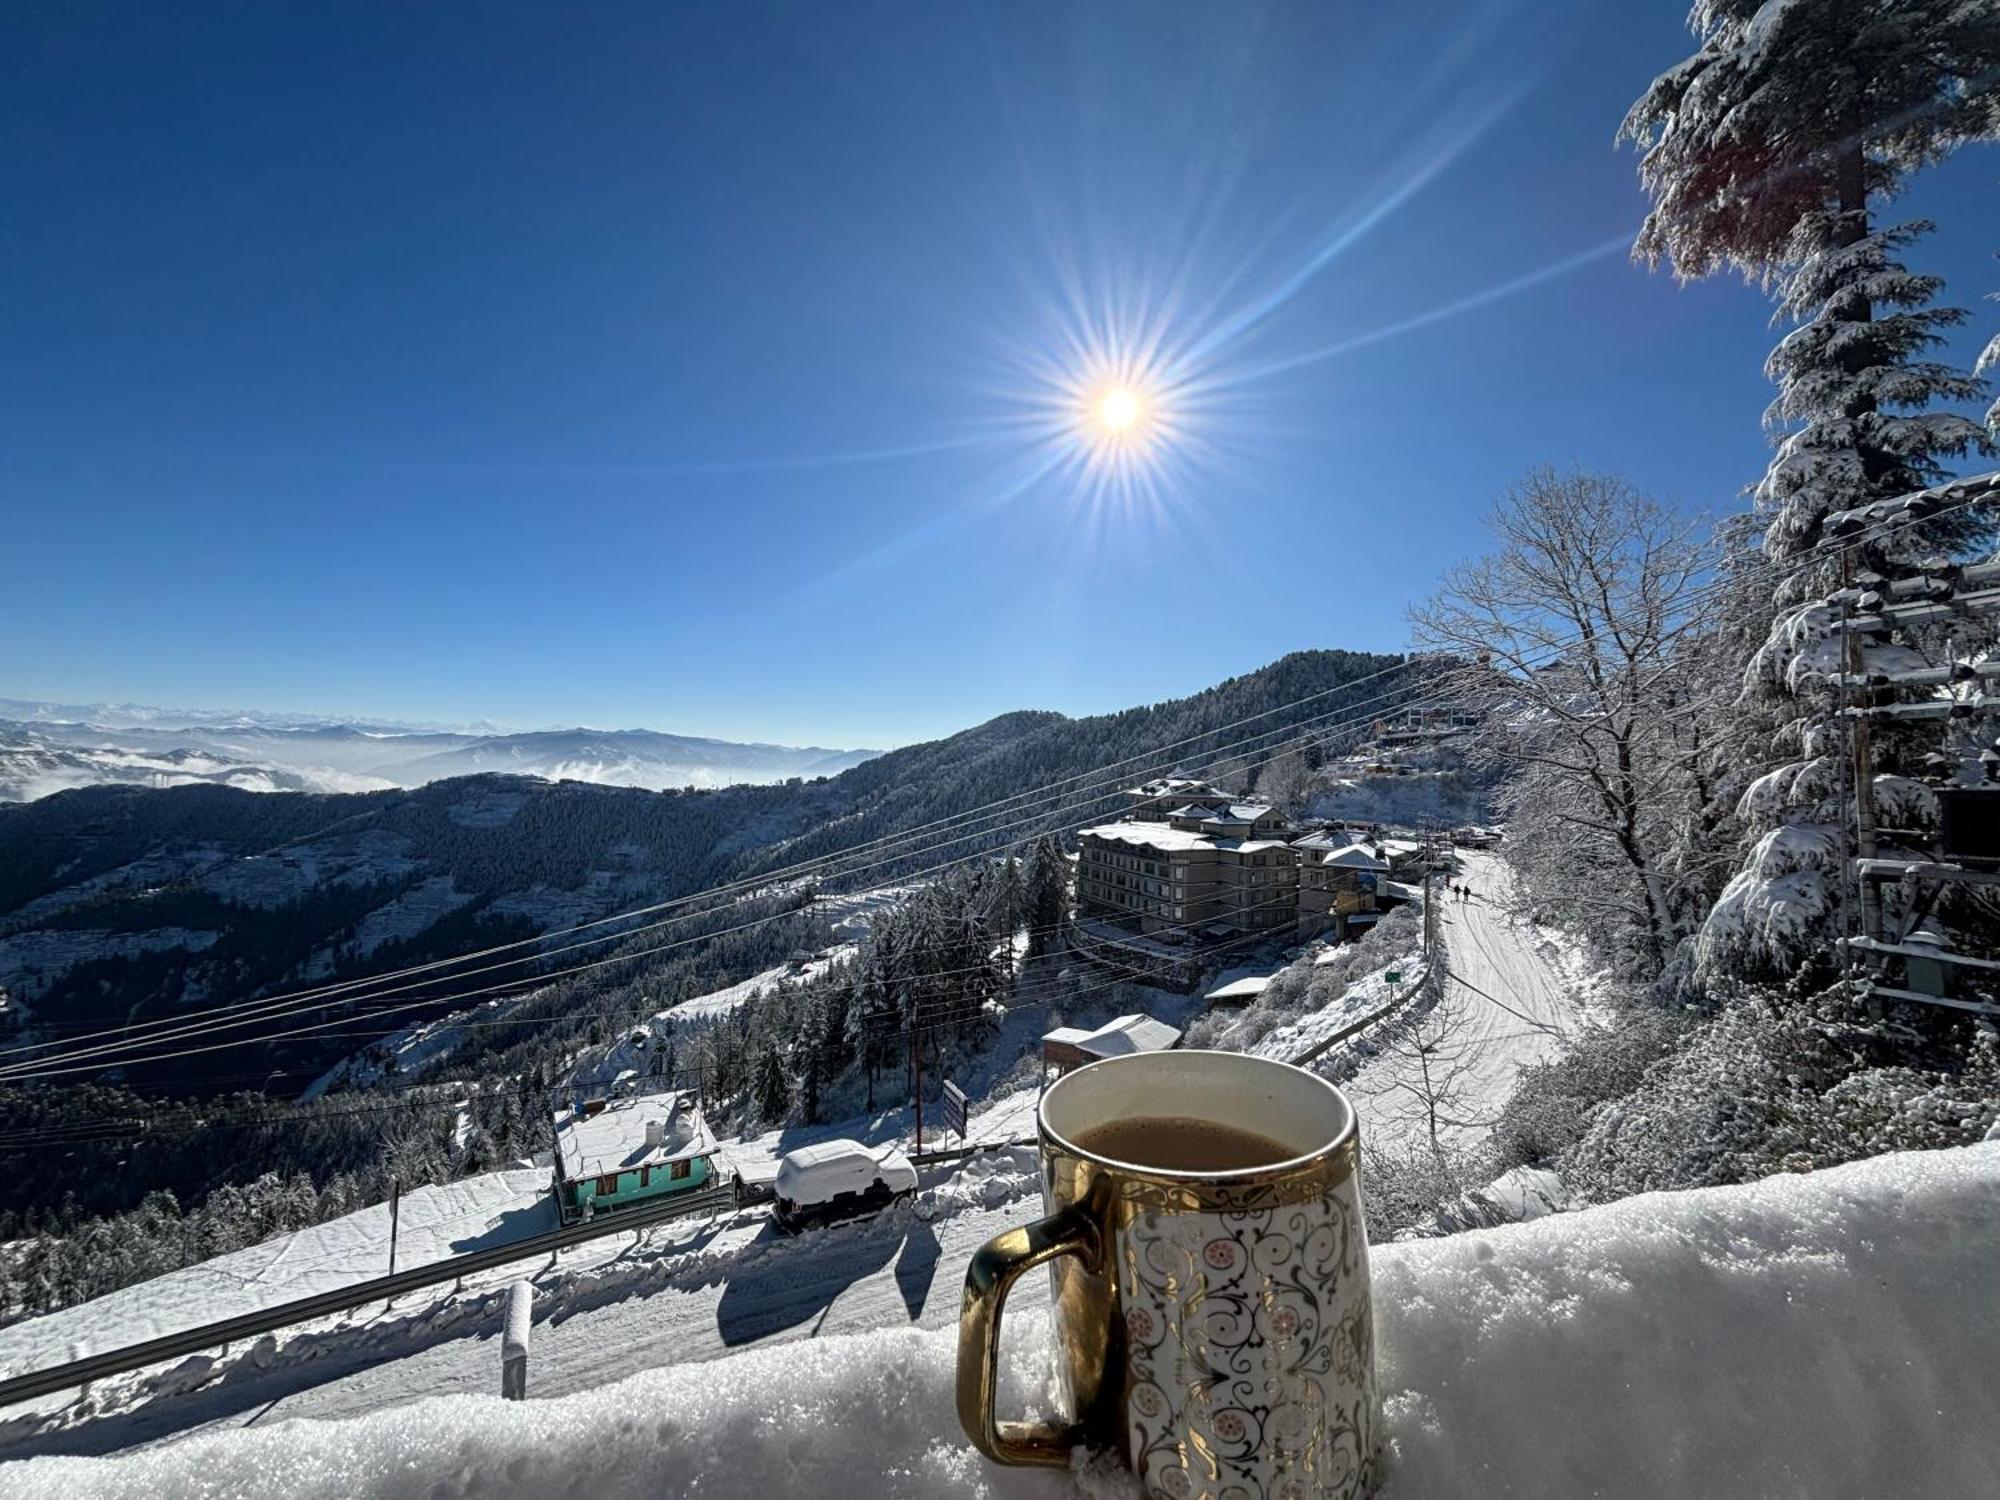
[{"x": 1210, "y": 1271}]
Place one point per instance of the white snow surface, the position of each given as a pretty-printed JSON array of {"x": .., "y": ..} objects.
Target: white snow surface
[
  {"x": 435, "y": 1223},
  {"x": 1830, "y": 1334},
  {"x": 1505, "y": 1005}
]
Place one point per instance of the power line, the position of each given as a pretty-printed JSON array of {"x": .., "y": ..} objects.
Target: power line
[
  {"x": 805, "y": 869},
  {"x": 132, "y": 1047},
  {"x": 277, "y": 1007},
  {"x": 137, "y": 1056}
]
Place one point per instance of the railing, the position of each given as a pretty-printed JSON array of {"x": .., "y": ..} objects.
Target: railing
[
  {"x": 1327, "y": 1044},
  {"x": 76, "y": 1372}
]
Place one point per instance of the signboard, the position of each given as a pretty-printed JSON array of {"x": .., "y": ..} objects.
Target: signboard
[
  {"x": 954, "y": 1108},
  {"x": 1394, "y": 976}
]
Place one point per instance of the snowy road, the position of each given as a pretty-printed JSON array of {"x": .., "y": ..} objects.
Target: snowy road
[{"x": 1504, "y": 1007}]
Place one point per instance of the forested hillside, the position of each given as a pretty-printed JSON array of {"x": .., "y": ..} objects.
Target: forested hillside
[{"x": 119, "y": 905}]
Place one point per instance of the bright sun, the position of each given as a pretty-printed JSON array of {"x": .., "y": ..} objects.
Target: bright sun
[{"x": 1119, "y": 409}]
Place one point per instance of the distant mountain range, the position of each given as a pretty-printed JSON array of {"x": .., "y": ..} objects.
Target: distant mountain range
[
  {"x": 121, "y": 904},
  {"x": 52, "y": 747}
]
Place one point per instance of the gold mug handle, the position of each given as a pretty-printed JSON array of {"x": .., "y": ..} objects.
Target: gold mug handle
[{"x": 1000, "y": 1263}]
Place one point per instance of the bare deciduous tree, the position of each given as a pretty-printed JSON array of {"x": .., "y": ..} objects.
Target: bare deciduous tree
[
  {"x": 1576, "y": 641},
  {"x": 1284, "y": 780},
  {"x": 1429, "y": 1084}
]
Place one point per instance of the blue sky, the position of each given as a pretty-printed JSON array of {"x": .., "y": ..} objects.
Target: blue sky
[{"x": 699, "y": 366}]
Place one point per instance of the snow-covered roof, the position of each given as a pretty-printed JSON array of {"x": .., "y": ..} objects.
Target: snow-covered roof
[
  {"x": 1118, "y": 1038},
  {"x": 1149, "y": 836},
  {"x": 1354, "y": 857},
  {"x": 1247, "y": 988},
  {"x": 1170, "y": 840},
  {"x": 1167, "y": 786},
  {"x": 1328, "y": 838},
  {"x": 614, "y": 1139},
  {"x": 1235, "y": 813}
]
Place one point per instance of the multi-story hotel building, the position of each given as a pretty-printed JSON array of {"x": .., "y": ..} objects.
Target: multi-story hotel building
[
  {"x": 1209, "y": 864},
  {"x": 1340, "y": 882},
  {"x": 1188, "y": 858}
]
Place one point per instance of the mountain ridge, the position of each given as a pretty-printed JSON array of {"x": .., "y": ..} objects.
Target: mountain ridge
[
  {"x": 42, "y": 756},
  {"x": 121, "y": 904}
]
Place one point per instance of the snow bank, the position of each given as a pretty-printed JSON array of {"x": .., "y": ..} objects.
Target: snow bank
[
  {"x": 436, "y": 1223},
  {"x": 1363, "y": 996},
  {"x": 1831, "y": 1334}
]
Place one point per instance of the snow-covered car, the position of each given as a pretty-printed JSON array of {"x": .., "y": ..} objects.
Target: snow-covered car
[{"x": 840, "y": 1180}]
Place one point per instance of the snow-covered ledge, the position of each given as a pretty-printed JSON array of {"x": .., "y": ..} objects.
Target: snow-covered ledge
[{"x": 1823, "y": 1335}]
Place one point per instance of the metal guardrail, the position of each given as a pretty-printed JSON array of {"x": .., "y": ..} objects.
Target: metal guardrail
[
  {"x": 960, "y": 1153},
  {"x": 1327, "y": 1044},
  {"x": 170, "y": 1346}
]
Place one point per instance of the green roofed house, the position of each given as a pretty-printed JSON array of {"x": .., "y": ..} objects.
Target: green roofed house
[{"x": 614, "y": 1153}]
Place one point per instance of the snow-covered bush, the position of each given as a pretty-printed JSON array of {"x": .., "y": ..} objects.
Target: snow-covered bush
[
  {"x": 1306, "y": 986},
  {"x": 1405, "y": 1187},
  {"x": 1781, "y": 1083},
  {"x": 1555, "y": 1102}
]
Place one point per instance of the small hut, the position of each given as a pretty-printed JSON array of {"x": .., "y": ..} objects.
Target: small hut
[
  {"x": 612, "y": 1153},
  {"x": 1070, "y": 1047}
]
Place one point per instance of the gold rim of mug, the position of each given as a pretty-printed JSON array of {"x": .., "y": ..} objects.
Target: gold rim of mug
[{"x": 1245, "y": 1189}]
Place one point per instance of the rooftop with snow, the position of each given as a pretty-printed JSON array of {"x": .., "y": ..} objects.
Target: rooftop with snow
[{"x": 621, "y": 1135}]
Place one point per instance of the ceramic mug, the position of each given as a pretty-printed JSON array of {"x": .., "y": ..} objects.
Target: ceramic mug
[{"x": 1216, "y": 1325}]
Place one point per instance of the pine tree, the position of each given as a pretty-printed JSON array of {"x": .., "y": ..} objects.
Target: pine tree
[
  {"x": 830, "y": 1036},
  {"x": 810, "y": 1053},
  {"x": 1765, "y": 152},
  {"x": 1048, "y": 895},
  {"x": 1009, "y": 904},
  {"x": 867, "y": 1015},
  {"x": 773, "y": 1089}
]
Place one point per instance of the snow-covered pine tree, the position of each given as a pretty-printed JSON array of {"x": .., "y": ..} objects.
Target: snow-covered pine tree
[
  {"x": 1765, "y": 152},
  {"x": 836, "y": 999},
  {"x": 1989, "y": 359},
  {"x": 1048, "y": 894},
  {"x": 773, "y": 1093},
  {"x": 868, "y": 1015},
  {"x": 1009, "y": 903},
  {"x": 810, "y": 1053}
]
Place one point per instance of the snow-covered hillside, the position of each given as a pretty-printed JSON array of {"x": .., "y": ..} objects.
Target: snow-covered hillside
[
  {"x": 1819, "y": 1335},
  {"x": 36, "y": 765}
]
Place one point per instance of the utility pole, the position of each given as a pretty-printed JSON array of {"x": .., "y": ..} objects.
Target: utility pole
[
  {"x": 395, "y": 1213},
  {"x": 1431, "y": 857},
  {"x": 917, "y": 1079},
  {"x": 1863, "y": 757}
]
